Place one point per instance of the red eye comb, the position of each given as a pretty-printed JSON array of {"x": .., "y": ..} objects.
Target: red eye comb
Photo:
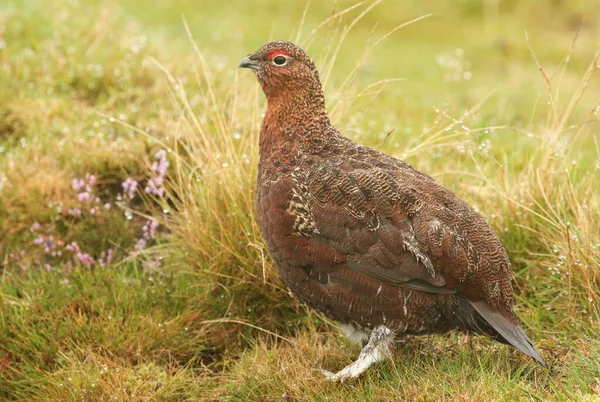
[{"x": 278, "y": 53}]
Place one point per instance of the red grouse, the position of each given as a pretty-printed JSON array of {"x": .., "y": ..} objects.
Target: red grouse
[{"x": 365, "y": 238}]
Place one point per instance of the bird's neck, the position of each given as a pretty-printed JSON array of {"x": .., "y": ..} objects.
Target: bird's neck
[{"x": 293, "y": 118}]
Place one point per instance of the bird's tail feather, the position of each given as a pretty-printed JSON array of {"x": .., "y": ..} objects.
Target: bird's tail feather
[{"x": 512, "y": 333}]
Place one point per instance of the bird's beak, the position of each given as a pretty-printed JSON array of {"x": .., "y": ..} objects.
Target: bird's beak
[{"x": 248, "y": 63}]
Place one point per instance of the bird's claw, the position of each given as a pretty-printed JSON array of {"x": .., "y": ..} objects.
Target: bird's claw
[{"x": 340, "y": 376}]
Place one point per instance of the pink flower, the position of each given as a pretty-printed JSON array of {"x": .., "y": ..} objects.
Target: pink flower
[
  {"x": 149, "y": 229},
  {"x": 105, "y": 258},
  {"x": 155, "y": 186},
  {"x": 84, "y": 197},
  {"x": 140, "y": 245},
  {"x": 90, "y": 181},
  {"x": 161, "y": 164},
  {"x": 87, "y": 184},
  {"x": 75, "y": 212},
  {"x": 77, "y": 184},
  {"x": 160, "y": 155},
  {"x": 17, "y": 255},
  {"x": 73, "y": 247},
  {"x": 35, "y": 227},
  {"x": 49, "y": 244},
  {"x": 129, "y": 187},
  {"x": 83, "y": 258},
  {"x": 151, "y": 264}
]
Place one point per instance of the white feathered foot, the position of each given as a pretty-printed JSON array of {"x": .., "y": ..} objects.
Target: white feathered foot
[{"x": 377, "y": 349}]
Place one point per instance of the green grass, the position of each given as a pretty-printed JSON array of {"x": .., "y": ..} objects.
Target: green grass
[{"x": 498, "y": 101}]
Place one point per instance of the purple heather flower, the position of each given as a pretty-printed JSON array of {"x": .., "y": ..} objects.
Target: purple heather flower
[
  {"x": 76, "y": 212},
  {"x": 160, "y": 167},
  {"x": 106, "y": 206},
  {"x": 105, "y": 258},
  {"x": 161, "y": 164},
  {"x": 49, "y": 244},
  {"x": 140, "y": 245},
  {"x": 84, "y": 197},
  {"x": 90, "y": 182},
  {"x": 151, "y": 264},
  {"x": 35, "y": 226},
  {"x": 77, "y": 184},
  {"x": 155, "y": 186},
  {"x": 129, "y": 187},
  {"x": 87, "y": 184},
  {"x": 16, "y": 255},
  {"x": 83, "y": 258},
  {"x": 149, "y": 229},
  {"x": 160, "y": 155}
]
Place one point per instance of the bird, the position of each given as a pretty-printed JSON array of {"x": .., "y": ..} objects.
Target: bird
[{"x": 374, "y": 244}]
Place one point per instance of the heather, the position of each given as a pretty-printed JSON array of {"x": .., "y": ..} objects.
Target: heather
[{"x": 131, "y": 264}]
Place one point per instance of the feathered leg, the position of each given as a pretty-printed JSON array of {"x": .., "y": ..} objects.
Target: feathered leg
[{"x": 376, "y": 350}]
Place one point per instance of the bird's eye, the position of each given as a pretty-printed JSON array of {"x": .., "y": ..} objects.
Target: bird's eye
[{"x": 280, "y": 60}]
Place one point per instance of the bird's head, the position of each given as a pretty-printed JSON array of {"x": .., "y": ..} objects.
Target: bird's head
[{"x": 283, "y": 68}]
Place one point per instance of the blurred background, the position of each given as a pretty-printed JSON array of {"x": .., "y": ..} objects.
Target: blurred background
[{"x": 131, "y": 266}]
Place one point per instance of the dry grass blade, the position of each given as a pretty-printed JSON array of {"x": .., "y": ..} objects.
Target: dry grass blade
[
  {"x": 434, "y": 137},
  {"x": 332, "y": 59},
  {"x": 306, "y": 42},
  {"x": 583, "y": 84},
  {"x": 240, "y": 322}
]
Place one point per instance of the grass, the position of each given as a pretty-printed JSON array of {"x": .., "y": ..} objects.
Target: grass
[{"x": 498, "y": 101}]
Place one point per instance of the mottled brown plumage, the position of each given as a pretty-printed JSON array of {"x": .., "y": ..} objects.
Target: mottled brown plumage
[{"x": 364, "y": 237}]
